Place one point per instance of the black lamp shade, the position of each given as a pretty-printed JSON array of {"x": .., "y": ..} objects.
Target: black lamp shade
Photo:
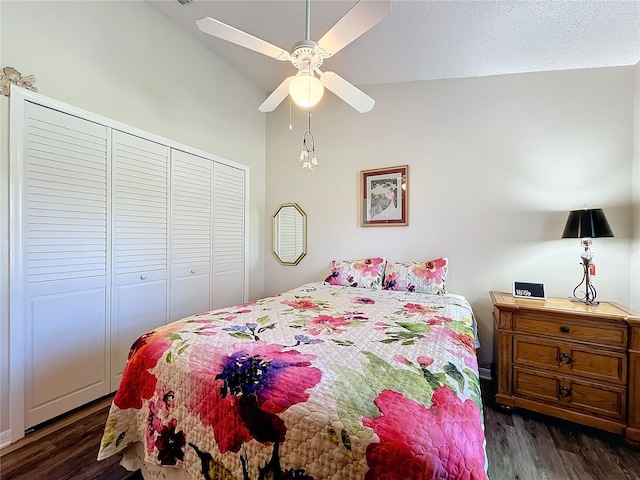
[{"x": 587, "y": 224}]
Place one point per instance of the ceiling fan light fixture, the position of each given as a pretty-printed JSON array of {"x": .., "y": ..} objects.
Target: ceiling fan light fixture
[{"x": 306, "y": 89}]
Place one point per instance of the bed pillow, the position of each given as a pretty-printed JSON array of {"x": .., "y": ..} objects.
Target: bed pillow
[
  {"x": 366, "y": 273},
  {"x": 421, "y": 277}
]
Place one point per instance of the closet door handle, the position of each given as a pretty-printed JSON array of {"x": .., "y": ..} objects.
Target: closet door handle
[{"x": 143, "y": 277}]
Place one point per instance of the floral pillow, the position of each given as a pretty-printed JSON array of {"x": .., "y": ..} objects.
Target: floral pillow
[
  {"x": 365, "y": 273},
  {"x": 421, "y": 277}
]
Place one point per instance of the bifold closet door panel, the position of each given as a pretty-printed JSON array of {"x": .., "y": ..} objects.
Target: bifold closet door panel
[
  {"x": 64, "y": 262},
  {"x": 228, "y": 236},
  {"x": 191, "y": 234},
  {"x": 140, "y": 223}
]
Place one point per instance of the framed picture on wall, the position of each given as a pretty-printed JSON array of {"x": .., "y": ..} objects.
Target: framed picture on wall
[{"x": 384, "y": 194}]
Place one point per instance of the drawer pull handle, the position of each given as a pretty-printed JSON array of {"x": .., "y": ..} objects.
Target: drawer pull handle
[
  {"x": 564, "y": 391},
  {"x": 565, "y": 359},
  {"x": 564, "y": 329},
  {"x": 193, "y": 270},
  {"x": 143, "y": 277}
]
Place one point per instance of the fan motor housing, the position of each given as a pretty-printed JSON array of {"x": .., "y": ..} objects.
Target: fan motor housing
[{"x": 305, "y": 53}]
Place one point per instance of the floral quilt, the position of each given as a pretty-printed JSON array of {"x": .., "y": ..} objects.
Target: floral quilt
[{"x": 321, "y": 382}]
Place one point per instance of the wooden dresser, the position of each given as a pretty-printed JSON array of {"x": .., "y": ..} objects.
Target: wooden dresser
[{"x": 569, "y": 360}]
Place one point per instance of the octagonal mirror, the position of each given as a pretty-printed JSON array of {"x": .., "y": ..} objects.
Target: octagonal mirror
[{"x": 289, "y": 234}]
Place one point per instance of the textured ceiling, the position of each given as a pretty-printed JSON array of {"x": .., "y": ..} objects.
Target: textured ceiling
[{"x": 426, "y": 40}]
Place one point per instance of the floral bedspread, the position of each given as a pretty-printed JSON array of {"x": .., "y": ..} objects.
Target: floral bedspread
[{"x": 321, "y": 382}]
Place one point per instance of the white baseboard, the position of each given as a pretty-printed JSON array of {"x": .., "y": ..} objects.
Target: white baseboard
[
  {"x": 5, "y": 438},
  {"x": 485, "y": 373}
]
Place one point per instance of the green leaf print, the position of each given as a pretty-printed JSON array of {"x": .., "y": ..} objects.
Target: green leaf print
[
  {"x": 271, "y": 326},
  {"x": 241, "y": 335},
  {"x": 355, "y": 393},
  {"x": 120, "y": 438},
  {"x": 414, "y": 327},
  {"x": 262, "y": 320},
  {"x": 436, "y": 380},
  {"x": 343, "y": 343},
  {"x": 463, "y": 327},
  {"x": 451, "y": 370}
]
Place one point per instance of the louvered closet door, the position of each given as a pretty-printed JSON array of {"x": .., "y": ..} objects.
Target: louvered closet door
[
  {"x": 140, "y": 246},
  {"x": 65, "y": 269},
  {"x": 191, "y": 234},
  {"x": 228, "y": 236}
]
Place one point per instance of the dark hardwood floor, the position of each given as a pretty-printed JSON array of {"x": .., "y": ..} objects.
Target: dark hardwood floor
[{"x": 520, "y": 446}]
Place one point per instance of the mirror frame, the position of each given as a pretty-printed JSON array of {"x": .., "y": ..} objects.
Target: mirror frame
[{"x": 304, "y": 234}]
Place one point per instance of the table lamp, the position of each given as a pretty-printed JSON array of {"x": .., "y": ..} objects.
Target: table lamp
[{"x": 587, "y": 224}]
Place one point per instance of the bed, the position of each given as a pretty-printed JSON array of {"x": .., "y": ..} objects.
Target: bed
[{"x": 321, "y": 382}]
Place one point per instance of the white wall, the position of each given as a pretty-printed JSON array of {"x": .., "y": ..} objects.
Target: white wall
[
  {"x": 125, "y": 61},
  {"x": 4, "y": 255},
  {"x": 635, "y": 248},
  {"x": 495, "y": 164}
]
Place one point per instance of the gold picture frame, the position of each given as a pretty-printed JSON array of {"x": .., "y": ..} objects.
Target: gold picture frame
[{"x": 384, "y": 194}]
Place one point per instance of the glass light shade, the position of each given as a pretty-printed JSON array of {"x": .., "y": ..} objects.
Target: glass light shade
[{"x": 306, "y": 89}]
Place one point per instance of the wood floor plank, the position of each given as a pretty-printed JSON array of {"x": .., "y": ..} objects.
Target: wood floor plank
[{"x": 546, "y": 454}]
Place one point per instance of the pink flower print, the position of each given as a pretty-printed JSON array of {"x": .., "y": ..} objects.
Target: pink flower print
[
  {"x": 463, "y": 340},
  {"x": 170, "y": 443},
  {"x": 335, "y": 278},
  {"x": 402, "y": 359},
  {"x": 381, "y": 326},
  {"x": 154, "y": 423},
  {"x": 437, "y": 320},
  {"x": 326, "y": 324},
  {"x": 369, "y": 267},
  {"x": 417, "y": 308},
  {"x": 138, "y": 383},
  {"x": 363, "y": 301},
  {"x": 442, "y": 441},
  {"x": 391, "y": 281},
  {"x": 240, "y": 394},
  {"x": 431, "y": 272},
  {"x": 424, "y": 361},
  {"x": 471, "y": 361},
  {"x": 300, "y": 304},
  {"x": 249, "y": 304},
  {"x": 207, "y": 333}
]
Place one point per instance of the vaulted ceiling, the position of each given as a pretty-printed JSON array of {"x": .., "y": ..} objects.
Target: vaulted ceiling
[{"x": 425, "y": 40}]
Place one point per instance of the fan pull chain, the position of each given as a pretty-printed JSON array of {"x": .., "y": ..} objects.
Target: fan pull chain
[
  {"x": 290, "y": 125},
  {"x": 308, "y": 158}
]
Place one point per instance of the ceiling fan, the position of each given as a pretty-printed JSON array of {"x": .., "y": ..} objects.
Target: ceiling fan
[{"x": 307, "y": 56}]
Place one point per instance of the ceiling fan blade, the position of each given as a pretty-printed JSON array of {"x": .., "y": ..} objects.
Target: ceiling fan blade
[
  {"x": 278, "y": 95},
  {"x": 231, "y": 34},
  {"x": 347, "y": 92},
  {"x": 364, "y": 15}
]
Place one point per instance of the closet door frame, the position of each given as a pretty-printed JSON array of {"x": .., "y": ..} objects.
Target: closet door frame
[{"x": 17, "y": 335}]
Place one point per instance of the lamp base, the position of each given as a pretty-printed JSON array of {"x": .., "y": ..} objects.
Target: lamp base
[
  {"x": 591, "y": 303},
  {"x": 589, "y": 297}
]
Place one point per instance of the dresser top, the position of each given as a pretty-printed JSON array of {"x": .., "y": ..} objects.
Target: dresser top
[{"x": 605, "y": 309}]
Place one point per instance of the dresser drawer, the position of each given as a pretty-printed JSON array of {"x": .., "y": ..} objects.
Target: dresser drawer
[
  {"x": 570, "y": 393},
  {"x": 573, "y": 359},
  {"x": 568, "y": 329}
]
